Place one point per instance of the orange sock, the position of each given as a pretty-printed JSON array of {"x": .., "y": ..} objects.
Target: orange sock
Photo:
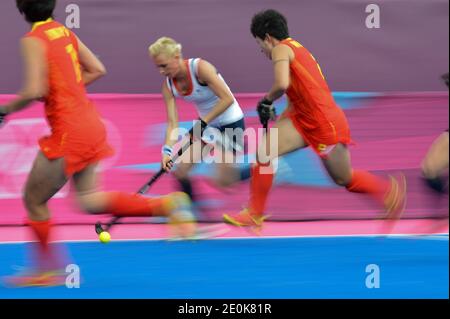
[
  {"x": 128, "y": 205},
  {"x": 365, "y": 182},
  {"x": 260, "y": 185},
  {"x": 42, "y": 255},
  {"x": 42, "y": 231}
]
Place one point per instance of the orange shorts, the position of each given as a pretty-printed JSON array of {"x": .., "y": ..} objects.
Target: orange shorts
[
  {"x": 78, "y": 152},
  {"x": 324, "y": 137}
]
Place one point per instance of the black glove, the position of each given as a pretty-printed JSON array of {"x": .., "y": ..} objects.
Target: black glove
[
  {"x": 266, "y": 111},
  {"x": 2, "y": 116},
  {"x": 198, "y": 129}
]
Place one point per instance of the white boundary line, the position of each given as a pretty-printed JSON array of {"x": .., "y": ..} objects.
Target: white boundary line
[{"x": 438, "y": 236}]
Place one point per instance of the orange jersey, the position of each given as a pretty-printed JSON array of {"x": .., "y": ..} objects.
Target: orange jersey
[
  {"x": 78, "y": 133},
  {"x": 314, "y": 111}
]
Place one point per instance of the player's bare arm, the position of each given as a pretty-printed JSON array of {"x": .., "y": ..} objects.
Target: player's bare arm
[
  {"x": 92, "y": 67},
  {"x": 172, "y": 114},
  {"x": 207, "y": 74},
  {"x": 281, "y": 57},
  {"x": 172, "y": 124}
]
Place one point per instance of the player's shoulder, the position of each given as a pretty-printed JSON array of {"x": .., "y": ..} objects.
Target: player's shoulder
[
  {"x": 32, "y": 43},
  {"x": 202, "y": 62},
  {"x": 205, "y": 67},
  {"x": 293, "y": 45},
  {"x": 48, "y": 30},
  {"x": 283, "y": 51}
]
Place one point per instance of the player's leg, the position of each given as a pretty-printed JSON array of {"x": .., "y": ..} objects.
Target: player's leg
[
  {"x": 46, "y": 178},
  {"x": 176, "y": 206},
  {"x": 231, "y": 151},
  {"x": 184, "y": 166},
  {"x": 338, "y": 165},
  {"x": 391, "y": 193},
  {"x": 435, "y": 163},
  {"x": 227, "y": 175},
  {"x": 283, "y": 138},
  {"x": 94, "y": 201}
]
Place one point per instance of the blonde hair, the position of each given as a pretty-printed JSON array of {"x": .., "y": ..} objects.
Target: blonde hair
[{"x": 165, "y": 45}]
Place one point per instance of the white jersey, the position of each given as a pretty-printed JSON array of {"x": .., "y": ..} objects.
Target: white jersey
[{"x": 205, "y": 99}]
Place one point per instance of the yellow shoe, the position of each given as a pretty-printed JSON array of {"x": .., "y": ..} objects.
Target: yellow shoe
[
  {"x": 36, "y": 279},
  {"x": 182, "y": 221},
  {"x": 246, "y": 219},
  {"x": 394, "y": 203},
  {"x": 395, "y": 200}
]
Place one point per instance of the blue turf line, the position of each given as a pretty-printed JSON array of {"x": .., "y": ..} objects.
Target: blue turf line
[{"x": 328, "y": 267}]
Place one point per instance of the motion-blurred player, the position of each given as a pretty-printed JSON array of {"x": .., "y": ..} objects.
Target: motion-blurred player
[
  {"x": 197, "y": 81},
  {"x": 435, "y": 163},
  {"x": 435, "y": 171},
  {"x": 312, "y": 118},
  {"x": 58, "y": 66}
]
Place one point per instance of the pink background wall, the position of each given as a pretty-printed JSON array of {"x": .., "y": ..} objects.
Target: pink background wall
[
  {"x": 392, "y": 132},
  {"x": 407, "y": 53}
]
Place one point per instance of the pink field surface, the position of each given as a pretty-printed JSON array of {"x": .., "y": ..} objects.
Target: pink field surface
[{"x": 271, "y": 229}]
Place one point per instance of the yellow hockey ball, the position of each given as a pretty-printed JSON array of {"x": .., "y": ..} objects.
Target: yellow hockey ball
[{"x": 104, "y": 237}]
